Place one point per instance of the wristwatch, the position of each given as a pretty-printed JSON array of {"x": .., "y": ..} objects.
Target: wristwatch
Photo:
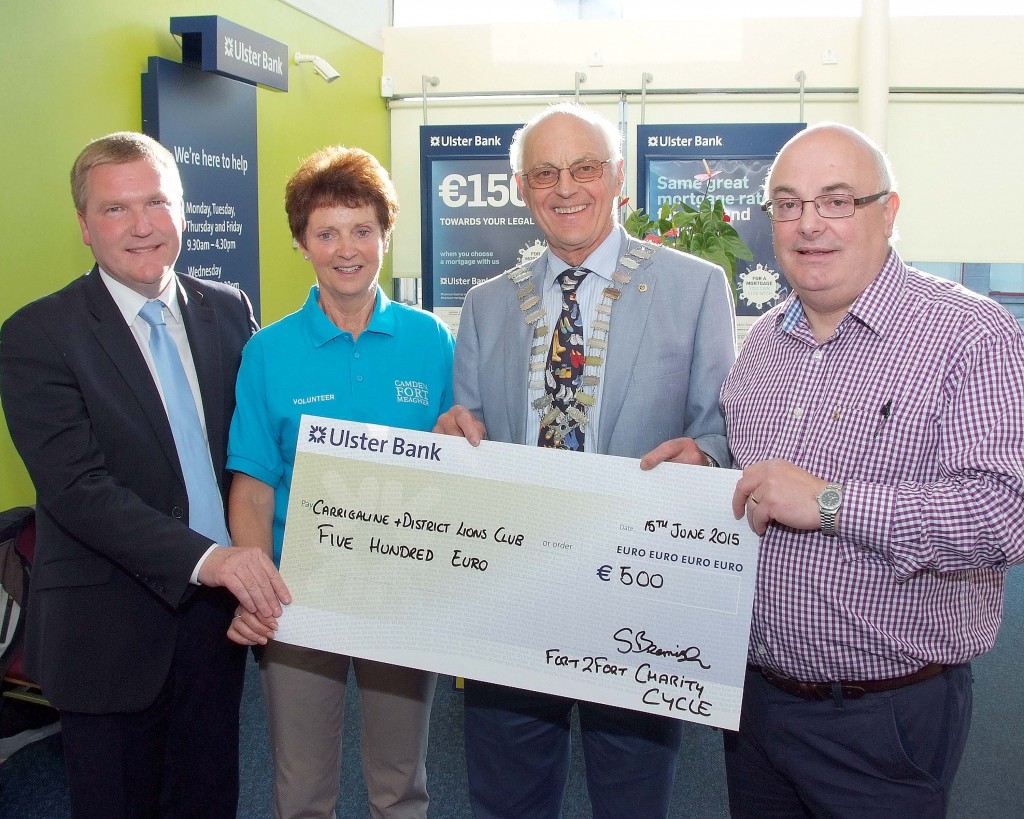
[
  {"x": 829, "y": 501},
  {"x": 708, "y": 460}
]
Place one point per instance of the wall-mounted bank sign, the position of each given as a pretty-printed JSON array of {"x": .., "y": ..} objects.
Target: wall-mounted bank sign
[{"x": 217, "y": 45}]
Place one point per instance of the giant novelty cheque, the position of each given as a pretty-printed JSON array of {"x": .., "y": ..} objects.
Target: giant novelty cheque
[{"x": 631, "y": 588}]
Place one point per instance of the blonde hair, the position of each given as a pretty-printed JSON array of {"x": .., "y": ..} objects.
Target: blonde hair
[{"x": 120, "y": 148}]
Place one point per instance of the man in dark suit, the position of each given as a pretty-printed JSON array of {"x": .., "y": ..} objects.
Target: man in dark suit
[{"x": 130, "y": 604}]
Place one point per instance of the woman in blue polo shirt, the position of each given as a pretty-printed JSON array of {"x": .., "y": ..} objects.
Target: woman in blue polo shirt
[{"x": 349, "y": 353}]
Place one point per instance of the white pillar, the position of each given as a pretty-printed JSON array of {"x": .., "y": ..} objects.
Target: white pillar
[{"x": 873, "y": 94}]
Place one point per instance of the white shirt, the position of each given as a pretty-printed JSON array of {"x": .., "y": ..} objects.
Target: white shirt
[
  {"x": 601, "y": 264},
  {"x": 130, "y": 303}
]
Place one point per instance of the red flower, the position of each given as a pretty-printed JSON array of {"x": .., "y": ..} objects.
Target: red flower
[
  {"x": 654, "y": 237},
  {"x": 623, "y": 202},
  {"x": 725, "y": 217},
  {"x": 673, "y": 232}
]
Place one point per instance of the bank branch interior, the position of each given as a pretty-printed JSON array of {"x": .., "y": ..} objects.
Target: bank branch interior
[{"x": 940, "y": 87}]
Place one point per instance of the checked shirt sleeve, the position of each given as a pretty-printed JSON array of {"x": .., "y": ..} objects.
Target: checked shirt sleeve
[{"x": 968, "y": 514}]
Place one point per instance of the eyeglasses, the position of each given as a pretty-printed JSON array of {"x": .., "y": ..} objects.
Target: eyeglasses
[
  {"x": 828, "y": 205},
  {"x": 582, "y": 170}
]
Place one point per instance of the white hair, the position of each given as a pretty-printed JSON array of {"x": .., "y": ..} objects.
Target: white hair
[{"x": 609, "y": 133}]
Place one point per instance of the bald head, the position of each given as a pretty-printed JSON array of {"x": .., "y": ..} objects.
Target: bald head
[
  {"x": 886, "y": 179},
  {"x": 831, "y": 261}
]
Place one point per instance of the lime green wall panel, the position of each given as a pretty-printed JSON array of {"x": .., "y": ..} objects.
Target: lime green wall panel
[{"x": 71, "y": 72}]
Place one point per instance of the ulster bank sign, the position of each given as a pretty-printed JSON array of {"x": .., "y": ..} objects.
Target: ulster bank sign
[{"x": 215, "y": 44}]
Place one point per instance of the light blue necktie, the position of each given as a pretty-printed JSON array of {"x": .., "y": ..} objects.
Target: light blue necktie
[{"x": 206, "y": 510}]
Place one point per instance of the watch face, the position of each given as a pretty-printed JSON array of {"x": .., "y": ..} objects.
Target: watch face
[{"x": 830, "y": 498}]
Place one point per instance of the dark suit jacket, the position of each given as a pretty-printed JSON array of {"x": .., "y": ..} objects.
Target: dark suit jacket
[{"x": 114, "y": 552}]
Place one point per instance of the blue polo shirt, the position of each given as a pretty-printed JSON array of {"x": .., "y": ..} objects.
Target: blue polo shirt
[{"x": 397, "y": 373}]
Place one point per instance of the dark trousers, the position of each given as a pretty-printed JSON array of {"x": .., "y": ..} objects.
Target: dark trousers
[
  {"x": 179, "y": 756},
  {"x": 883, "y": 755},
  {"x": 518, "y": 751}
]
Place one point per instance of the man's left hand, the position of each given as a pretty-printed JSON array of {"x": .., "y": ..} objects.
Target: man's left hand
[
  {"x": 460, "y": 421},
  {"x": 677, "y": 451},
  {"x": 778, "y": 491},
  {"x": 249, "y": 575}
]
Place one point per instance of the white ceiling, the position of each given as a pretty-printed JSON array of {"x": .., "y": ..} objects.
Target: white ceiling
[{"x": 360, "y": 19}]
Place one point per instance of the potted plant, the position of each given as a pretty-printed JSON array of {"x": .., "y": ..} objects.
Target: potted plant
[{"x": 703, "y": 231}]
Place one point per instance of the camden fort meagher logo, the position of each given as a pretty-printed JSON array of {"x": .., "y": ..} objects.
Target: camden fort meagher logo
[{"x": 412, "y": 392}]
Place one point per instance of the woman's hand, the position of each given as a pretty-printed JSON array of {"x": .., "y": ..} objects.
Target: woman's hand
[{"x": 249, "y": 629}]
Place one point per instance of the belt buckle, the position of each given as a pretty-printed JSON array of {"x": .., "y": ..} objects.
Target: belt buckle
[
  {"x": 852, "y": 691},
  {"x": 817, "y": 691}
]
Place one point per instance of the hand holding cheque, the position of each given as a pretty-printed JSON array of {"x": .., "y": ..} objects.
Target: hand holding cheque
[{"x": 421, "y": 550}]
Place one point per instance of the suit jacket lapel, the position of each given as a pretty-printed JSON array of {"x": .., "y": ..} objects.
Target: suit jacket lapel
[
  {"x": 117, "y": 340},
  {"x": 201, "y": 326},
  {"x": 518, "y": 342},
  {"x": 629, "y": 320}
]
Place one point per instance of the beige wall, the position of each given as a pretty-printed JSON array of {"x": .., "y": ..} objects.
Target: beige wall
[{"x": 956, "y": 155}]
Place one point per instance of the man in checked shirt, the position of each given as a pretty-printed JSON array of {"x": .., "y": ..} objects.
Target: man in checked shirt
[{"x": 878, "y": 417}]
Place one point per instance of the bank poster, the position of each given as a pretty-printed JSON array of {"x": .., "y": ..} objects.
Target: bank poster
[
  {"x": 475, "y": 224},
  {"x": 209, "y": 123},
  {"x": 729, "y": 162}
]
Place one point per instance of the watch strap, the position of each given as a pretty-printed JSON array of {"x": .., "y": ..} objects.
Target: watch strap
[
  {"x": 828, "y": 515},
  {"x": 828, "y": 521}
]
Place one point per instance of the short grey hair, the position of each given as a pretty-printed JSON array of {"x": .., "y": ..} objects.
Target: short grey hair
[{"x": 609, "y": 133}]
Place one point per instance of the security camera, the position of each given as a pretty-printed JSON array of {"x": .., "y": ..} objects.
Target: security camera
[{"x": 320, "y": 66}]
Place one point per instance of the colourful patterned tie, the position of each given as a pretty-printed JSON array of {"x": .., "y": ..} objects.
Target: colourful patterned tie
[
  {"x": 564, "y": 374},
  {"x": 206, "y": 510}
]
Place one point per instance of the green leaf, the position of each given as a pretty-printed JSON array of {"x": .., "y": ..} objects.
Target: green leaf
[
  {"x": 736, "y": 246},
  {"x": 720, "y": 258},
  {"x": 726, "y": 229},
  {"x": 683, "y": 218}
]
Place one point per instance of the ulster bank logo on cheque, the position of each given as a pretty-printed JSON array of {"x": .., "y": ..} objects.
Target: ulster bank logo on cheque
[{"x": 367, "y": 441}]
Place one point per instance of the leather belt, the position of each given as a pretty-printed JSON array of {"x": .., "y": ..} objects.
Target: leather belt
[{"x": 850, "y": 690}]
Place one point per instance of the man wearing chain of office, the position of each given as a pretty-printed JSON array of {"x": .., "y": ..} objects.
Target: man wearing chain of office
[{"x": 603, "y": 344}]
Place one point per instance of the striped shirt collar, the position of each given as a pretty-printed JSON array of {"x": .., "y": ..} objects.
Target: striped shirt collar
[{"x": 876, "y": 307}]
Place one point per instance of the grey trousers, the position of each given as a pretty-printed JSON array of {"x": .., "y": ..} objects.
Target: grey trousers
[{"x": 304, "y": 690}]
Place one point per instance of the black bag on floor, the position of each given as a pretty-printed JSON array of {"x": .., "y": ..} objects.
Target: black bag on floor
[{"x": 14, "y": 579}]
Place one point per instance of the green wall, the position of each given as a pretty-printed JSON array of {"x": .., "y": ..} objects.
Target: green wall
[{"x": 71, "y": 72}]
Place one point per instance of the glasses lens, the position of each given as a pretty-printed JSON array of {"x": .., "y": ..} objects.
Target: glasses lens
[
  {"x": 835, "y": 205},
  {"x": 829, "y": 206},
  {"x": 542, "y": 177},
  {"x": 586, "y": 170},
  {"x": 784, "y": 210}
]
